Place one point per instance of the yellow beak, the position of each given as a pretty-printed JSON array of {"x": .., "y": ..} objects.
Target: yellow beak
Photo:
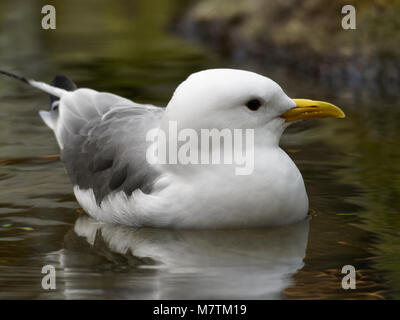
[{"x": 310, "y": 109}]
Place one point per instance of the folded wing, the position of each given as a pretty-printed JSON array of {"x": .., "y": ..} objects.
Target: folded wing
[{"x": 103, "y": 141}]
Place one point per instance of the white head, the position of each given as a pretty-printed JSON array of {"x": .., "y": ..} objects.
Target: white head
[
  {"x": 233, "y": 99},
  {"x": 237, "y": 99}
]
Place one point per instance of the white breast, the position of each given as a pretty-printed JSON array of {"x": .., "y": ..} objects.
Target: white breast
[{"x": 273, "y": 194}]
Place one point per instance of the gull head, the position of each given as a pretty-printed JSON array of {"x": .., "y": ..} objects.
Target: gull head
[{"x": 238, "y": 99}]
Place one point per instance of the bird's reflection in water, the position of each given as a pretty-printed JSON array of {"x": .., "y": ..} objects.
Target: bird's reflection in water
[{"x": 193, "y": 264}]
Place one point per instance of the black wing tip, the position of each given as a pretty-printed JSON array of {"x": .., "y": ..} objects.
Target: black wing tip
[
  {"x": 15, "y": 76},
  {"x": 59, "y": 81},
  {"x": 63, "y": 82}
]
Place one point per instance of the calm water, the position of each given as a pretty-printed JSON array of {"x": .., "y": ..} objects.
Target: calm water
[{"x": 351, "y": 168}]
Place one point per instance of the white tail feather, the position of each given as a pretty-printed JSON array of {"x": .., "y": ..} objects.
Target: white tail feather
[
  {"x": 58, "y": 92},
  {"x": 47, "y": 118}
]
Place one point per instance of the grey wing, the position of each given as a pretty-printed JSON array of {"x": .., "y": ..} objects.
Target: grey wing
[{"x": 104, "y": 145}]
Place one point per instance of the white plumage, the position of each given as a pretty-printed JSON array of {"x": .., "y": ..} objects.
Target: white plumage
[{"x": 102, "y": 137}]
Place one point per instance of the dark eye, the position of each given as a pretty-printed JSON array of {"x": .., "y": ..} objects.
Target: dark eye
[{"x": 253, "y": 104}]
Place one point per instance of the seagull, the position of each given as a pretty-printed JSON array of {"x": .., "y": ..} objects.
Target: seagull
[{"x": 104, "y": 147}]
